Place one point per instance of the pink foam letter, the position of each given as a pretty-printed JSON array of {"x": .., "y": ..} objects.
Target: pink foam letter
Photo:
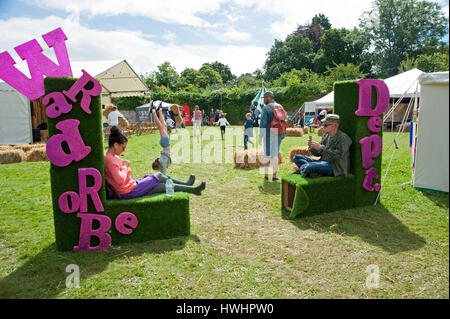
[
  {"x": 63, "y": 202},
  {"x": 38, "y": 64},
  {"x": 365, "y": 97},
  {"x": 58, "y": 106},
  {"x": 128, "y": 219},
  {"x": 84, "y": 190},
  {"x": 370, "y": 148},
  {"x": 371, "y": 174},
  {"x": 374, "y": 124},
  {"x": 86, "y": 232},
  {"x": 79, "y": 86},
  {"x": 70, "y": 135}
]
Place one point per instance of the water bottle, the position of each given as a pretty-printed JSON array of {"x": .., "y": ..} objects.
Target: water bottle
[{"x": 169, "y": 187}]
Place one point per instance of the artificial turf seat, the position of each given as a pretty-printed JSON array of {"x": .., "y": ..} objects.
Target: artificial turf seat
[
  {"x": 159, "y": 217},
  {"x": 305, "y": 196},
  {"x": 309, "y": 196}
]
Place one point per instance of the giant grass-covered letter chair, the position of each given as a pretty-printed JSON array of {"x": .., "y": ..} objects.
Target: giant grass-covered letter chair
[
  {"x": 308, "y": 196},
  {"x": 100, "y": 222}
]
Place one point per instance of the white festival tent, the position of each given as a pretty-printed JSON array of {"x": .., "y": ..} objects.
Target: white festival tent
[
  {"x": 432, "y": 149},
  {"x": 15, "y": 116},
  {"x": 400, "y": 85}
]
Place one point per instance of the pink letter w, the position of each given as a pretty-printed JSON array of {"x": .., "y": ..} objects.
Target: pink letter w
[{"x": 38, "y": 64}]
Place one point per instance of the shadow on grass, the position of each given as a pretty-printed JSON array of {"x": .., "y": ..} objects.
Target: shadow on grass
[
  {"x": 440, "y": 199},
  {"x": 44, "y": 275},
  {"x": 374, "y": 225},
  {"x": 269, "y": 187}
]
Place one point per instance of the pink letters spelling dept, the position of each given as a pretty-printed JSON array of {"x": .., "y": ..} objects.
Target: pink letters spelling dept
[
  {"x": 372, "y": 145},
  {"x": 39, "y": 65}
]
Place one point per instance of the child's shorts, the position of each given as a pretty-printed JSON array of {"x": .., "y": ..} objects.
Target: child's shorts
[
  {"x": 222, "y": 128},
  {"x": 164, "y": 141}
]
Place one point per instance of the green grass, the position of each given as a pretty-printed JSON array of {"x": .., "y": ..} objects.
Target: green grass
[{"x": 240, "y": 246}]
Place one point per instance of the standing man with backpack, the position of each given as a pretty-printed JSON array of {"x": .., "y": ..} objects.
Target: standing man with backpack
[{"x": 272, "y": 130}]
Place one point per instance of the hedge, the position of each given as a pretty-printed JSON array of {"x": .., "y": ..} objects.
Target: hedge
[{"x": 234, "y": 101}]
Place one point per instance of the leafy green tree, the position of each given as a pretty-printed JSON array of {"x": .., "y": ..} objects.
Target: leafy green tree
[
  {"x": 189, "y": 75},
  {"x": 342, "y": 46},
  {"x": 400, "y": 27},
  {"x": 167, "y": 76},
  {"x": 208, "y": 76},
  {"x": 294, "y": 53},
  {"x": 342, "y": 72},
  {"x": 247, "y": 81},
  {"x": 437, "y": 62},
  {"x": 322, "y": 20},
  {"x": 224, "y": 71}
]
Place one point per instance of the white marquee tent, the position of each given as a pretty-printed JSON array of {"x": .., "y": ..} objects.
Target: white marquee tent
[
  {"x": 15, "y": 116},
  {"x": 400, "y": 85},
  {"x": 432, "y": 149}
]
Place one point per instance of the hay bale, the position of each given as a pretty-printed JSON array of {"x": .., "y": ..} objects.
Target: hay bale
[
  {"x": 5, "y": 147},
  {"x": 302, "y": 150},
  {"x": 23, "y": 147},
  {"x": 320, "y": 131},
  {"x": 12, "y": 156},
  {"x": 37, "y": 154},
  {"x": 306, "y": 130},
  {"x": 298, "y": 131},
  {"x": 253, "y": 158}
]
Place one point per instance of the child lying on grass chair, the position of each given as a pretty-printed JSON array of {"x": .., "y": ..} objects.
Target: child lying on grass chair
[{"x": 118, "y": 173}]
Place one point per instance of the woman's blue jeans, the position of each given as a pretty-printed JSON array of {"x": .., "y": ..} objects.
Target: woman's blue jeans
[{"x": 308, "y": 165}]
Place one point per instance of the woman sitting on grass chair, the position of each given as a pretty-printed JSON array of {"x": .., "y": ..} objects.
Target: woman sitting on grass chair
[{"x": 118, "y": 173}]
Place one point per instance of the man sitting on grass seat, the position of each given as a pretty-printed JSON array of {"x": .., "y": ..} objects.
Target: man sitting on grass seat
[{"x": 333, "y": 150}]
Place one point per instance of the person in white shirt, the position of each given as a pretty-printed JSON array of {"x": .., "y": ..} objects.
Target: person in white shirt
[
  {"x": 222, "y": 122},
  {"x": 170, "y": 124},
  {"x": 113, "y": 117}
]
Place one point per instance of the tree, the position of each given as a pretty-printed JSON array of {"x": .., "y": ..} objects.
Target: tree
[
  {"x": 436, "y": 62},
  {"x": 322, "y": 20},
  {"x": 224, "y": 71},
  {"x": 208, "y": 76},
  {"x": 189, "y": 75},
  {"x": 167, "y": 76},
  {"x": 342, "y": 72},
  {"x": 294, "y": 53},
  {"x": 342, "y": 46},
  {"x": 400, "y": 27}
]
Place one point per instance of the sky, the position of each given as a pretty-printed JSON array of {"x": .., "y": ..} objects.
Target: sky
[{"x": 186, "y": 33}]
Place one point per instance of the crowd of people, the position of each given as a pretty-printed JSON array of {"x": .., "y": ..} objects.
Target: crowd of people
[{"x": 332, "y": 150}]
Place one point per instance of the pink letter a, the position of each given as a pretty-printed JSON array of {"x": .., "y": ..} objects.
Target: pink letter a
[{"x": 38, "y": 64}]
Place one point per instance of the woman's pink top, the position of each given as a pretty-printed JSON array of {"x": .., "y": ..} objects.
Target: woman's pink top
[
  {"x": 197, "y": 115},
  {"x": 118, "y": 174}
]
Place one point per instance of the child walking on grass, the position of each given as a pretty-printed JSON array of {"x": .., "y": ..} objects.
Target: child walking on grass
[
  {"x": 162, "y": 162},
  {"x": 222, "y": 122},
  {"x": 248, "y": 130}
]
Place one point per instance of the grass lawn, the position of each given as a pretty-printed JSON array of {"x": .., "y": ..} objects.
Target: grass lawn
[{"x": 240, "y": 245}]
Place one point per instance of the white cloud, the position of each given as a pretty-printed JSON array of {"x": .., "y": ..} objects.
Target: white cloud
[
  {"x": 173, "y": 11},
  {"x": 86, "y": 44},
  {"x": 234, "y": 35},
  {"x": 287, "y": 14}
]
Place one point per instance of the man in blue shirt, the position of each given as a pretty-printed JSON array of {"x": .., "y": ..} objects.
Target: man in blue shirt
[{"x": 272, "y": 141}]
